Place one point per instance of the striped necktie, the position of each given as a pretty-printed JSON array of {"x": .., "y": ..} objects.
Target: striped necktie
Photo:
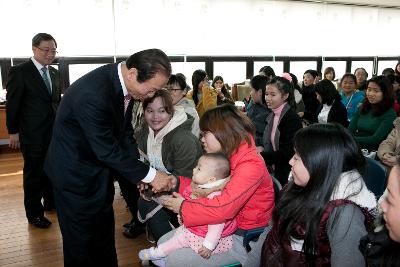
[{"x": 45, "y": 79}]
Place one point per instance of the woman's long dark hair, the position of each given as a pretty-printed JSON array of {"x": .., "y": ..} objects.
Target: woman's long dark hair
[
  {"x": 327, "y": 150},
  {"x": 388, "y": 97},
  {"x": 197, "y": 77},
  {"x": 327, "y": 91},
  {"x": 259, "y": 82}
]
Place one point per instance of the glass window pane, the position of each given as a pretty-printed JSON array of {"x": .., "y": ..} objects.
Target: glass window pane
[
  {"x": 277, "y": 66},
  {"x": 299, "y": 67},
  {"x": 232, "y": 72},
  {"x": 367, "y": 65},
  {"x": 78, "y": 70},
  {"x": 383, "y": 64},
  {"x": 339, "y": 66},
  {"x": 187, "y": 69}
]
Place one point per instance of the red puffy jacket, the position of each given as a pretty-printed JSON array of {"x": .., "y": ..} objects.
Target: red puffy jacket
[{"x": 248, "y": 196}]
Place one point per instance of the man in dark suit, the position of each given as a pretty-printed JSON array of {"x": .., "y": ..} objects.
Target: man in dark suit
[
  {"x": 92, "y": 143},
  {"x": 33, "y": 95}
]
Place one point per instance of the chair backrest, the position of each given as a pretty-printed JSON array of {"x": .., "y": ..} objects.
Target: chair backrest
[
  {"x": 243, "y": 91},
  {"x": 375, "y": 177},
  {"x": 277, "y": 188}
]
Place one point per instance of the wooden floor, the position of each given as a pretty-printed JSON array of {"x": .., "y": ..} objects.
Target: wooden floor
[{"x": 22, "y": 244}]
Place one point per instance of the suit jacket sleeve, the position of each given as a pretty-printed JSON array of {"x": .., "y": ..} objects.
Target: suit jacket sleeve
[
  {"x": 98, "y": 124},
  {"x": 15, "y": 91}
]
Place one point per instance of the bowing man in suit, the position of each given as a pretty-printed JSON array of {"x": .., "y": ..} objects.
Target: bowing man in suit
[
  {"x": 33, "y": 95},
  {"x": 92, "y": 143}
]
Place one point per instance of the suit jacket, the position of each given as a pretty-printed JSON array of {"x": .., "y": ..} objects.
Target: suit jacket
[
  {"x": 30, "y": 109},
  {"x": 92, "y": 140}
]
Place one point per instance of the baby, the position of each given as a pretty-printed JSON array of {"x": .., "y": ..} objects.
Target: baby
[{"x": 211, "y": 173}]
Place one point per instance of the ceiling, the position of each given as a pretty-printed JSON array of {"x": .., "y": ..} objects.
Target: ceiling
[{"x": 380, "y": 3}]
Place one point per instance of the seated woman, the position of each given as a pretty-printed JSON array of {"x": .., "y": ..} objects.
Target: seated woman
[
  {"x": 309, "y": 97},
  {"x": 248, "y": 196},
  {"x": 381, "y": 247},
  {"x": 321, "y": 214},
  {"x": 223, "y": 96},
  {"x": 203, "y": 95},
  {"x": 332, "y": 109},
  {"x": 258, "y": 110},
  {"x": 351, "y": 97},
  {"x": 395, "y": 80},
  {"x": 297, "y": 95},
  {"x": 168, "y": 145},
  {"x": 177, "y": 87},
  {"x": 389, "y": 149},
  {"x": 281, "y": 125},
  {"x": 373, "y": 121}
]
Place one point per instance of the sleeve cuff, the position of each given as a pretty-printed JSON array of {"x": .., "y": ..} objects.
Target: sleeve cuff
[
  {"x": 208, "y": 245},
  {"x": 150, "y": 176}
]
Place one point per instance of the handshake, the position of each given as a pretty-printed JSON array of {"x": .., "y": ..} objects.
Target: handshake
[{"x": 162, "y": 182}]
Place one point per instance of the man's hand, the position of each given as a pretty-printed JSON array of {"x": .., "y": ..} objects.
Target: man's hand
[
  {"x": 163, "y": 182},
  {"x": 389, "y": 160},
  {"x": 14, "y": 141},
  {"x": 204, "y": 252}
]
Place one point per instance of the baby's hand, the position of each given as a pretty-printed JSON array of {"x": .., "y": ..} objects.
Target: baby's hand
[
  {"x": 179, "y": 219},
  {"x": 205, "y": 252}
]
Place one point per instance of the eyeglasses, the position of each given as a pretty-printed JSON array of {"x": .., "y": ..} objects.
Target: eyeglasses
[{"x": 47, "y": 51}]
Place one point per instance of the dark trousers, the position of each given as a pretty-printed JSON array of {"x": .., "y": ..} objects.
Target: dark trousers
[
  {"x": 130, "y": 193},
  {"x": 36, "y": 183},
  {"x": 159, "y": 224},
  {"x": 88, "y": 235}
]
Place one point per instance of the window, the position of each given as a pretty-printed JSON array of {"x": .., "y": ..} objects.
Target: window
[
  {"x": 299, "y": 67},
  {"x": 78, "y": 70},
  {"x": 277, "y": 66},
  {"x": 232, "y": 72}
]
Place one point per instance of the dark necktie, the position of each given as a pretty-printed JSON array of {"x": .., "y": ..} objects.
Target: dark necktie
[{"x": 45, "y": 79}]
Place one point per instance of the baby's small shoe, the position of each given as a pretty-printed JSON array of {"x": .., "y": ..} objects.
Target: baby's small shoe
[{"x": 150, "y": 254}]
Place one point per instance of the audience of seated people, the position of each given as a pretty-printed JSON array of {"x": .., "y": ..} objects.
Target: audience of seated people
[
  {"x": 374, "y": 119},
  {"x": 344, "y": 204}
]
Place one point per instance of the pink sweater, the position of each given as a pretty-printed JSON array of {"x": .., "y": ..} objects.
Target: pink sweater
[{"x": 277, "y": 111}]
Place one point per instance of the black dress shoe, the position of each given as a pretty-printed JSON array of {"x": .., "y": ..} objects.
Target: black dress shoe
[
  {"x": 40, "y": 222},
  {"x": 134, "y": 230}
]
